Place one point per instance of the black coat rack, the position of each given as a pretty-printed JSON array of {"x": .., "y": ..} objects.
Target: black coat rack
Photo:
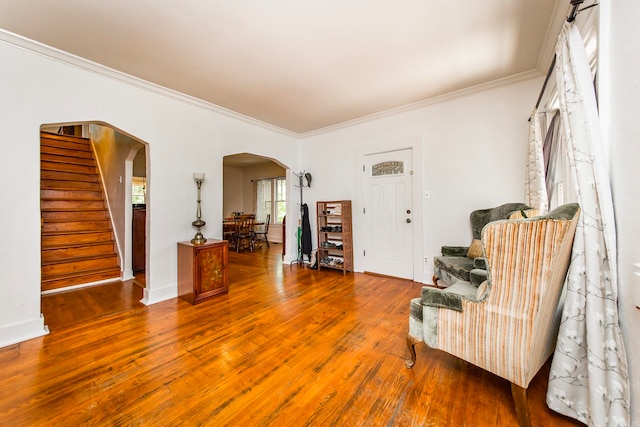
[{"x": 303, "y": 229}]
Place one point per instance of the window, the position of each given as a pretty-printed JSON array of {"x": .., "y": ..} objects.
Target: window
[
  {"x": 387, "y": 168},
  {"x": 139, "y": 190},
  {"x": 564, "y": 186},
  {"x": 271, "y": 198}
]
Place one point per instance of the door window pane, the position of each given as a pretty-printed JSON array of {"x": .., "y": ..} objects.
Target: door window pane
[{"x": 387, "y": 168}]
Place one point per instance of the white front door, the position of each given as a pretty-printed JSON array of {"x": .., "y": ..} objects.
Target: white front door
[{"x": 388, "y": 214}]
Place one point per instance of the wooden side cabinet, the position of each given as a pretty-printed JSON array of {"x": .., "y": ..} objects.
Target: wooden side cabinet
[
  {"x": 203, "y": 270},
  {"x": 139, "y": 239}
]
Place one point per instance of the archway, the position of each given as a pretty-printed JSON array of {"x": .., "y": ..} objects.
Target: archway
[
  {"x": 256, "y": 184},
  {"x": 112, "y": 156}
]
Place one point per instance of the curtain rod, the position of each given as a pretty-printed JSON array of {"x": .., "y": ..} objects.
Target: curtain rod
[
  {"x": 546, "y": 80},
  {"x": 575, "y": 4},
  {"x": 264, "y": 179},
  {"x": 572, "y": 17}
]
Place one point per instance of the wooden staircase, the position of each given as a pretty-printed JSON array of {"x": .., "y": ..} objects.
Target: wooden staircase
[{"x": 78, "y": 245}]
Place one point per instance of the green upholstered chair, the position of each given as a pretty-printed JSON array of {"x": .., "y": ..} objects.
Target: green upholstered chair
[
  {"x": 509, "y": 324},
  {"x": 465, "y": 262}
]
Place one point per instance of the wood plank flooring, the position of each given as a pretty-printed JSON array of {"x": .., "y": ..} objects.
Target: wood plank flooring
[{"x": 286, "y": 347}]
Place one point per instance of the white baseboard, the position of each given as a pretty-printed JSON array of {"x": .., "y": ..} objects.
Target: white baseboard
[
  {"x": 23, "y": 331},
  {"x": 153, "y": 296}
]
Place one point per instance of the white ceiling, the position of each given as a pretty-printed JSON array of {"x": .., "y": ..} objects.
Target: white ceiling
[{"x": 300, "y": 65}]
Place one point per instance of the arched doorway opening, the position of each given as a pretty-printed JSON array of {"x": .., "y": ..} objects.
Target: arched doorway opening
[{"x": 256, "y": 184}]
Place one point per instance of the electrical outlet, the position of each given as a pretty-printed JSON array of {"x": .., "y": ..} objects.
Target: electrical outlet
[{"x": 426, "y": 260}]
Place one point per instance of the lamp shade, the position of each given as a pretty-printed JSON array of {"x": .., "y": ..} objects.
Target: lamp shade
[{"x": 198, "y": 177}]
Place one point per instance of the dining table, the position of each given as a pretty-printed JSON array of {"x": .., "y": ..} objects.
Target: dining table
[{"x": 229, "y": 225}]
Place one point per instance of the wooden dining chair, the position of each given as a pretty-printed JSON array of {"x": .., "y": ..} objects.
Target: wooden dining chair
[
  {"x": 264, "y": 231},
  {"x": 229, "y": 231},
  {"x": 245, "y": 235}
]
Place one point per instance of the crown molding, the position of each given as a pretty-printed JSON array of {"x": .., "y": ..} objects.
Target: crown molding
[
  {"x": 505, "y": 81},
  {"x": 96, "y": 68},
  {"x": 558, "y": 16}
]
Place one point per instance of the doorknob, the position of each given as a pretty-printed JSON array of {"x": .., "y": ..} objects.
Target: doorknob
[
  {"x": 408, "y": 220},
  {"x": 408, "y": 211}
]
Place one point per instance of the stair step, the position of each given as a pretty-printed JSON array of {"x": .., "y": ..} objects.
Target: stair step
[
  {"x": 65, "y": 267},
  {"x": 65, "y": 159},
  {"x": 61, "y": 151},
  {"x": 68, "y": 176},
  {"x": 78, "y": 251},
  {"x": 72, "y": 209},
  {"x": 75, "y": 215},
  {"x": 69, "y": 185},
  {"x": 75, "y": 226},
  {"x": 64, "y": 141},
  {"x": 66, "y": 167},
  {"x": 71, "y": 204},
  {"x": 55, "y": 240},
  {"x": 57, "y": 194},
  {"x": 80, "y": 279},
  {"x": 67, "y": 145}
]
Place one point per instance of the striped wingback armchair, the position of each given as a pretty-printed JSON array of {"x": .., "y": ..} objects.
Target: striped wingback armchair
[{"x": 509, "y": 324}]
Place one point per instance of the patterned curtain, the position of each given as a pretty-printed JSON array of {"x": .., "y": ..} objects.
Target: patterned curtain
[
  {"x": 535, "y": 187},
  {"x": 263, "y": 199},
  {"x": 588, "y": 379},
  {"x": 550, "y": 150}
]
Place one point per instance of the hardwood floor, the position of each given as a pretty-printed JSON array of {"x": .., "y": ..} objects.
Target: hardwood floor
[
  {"x": 286, "y": 347},
  {"x": 64, "y": 309}
]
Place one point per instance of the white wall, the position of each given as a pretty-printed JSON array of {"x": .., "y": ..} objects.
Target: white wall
[
  {"x": 469, "y": 152},
  {"x": 233, "y": 199},
  {"x": 140, "y": 163},
  {"x": 184, "y": 137},
  {"x": 620, "y": 109},
  {"x": 112, "y": 150}
]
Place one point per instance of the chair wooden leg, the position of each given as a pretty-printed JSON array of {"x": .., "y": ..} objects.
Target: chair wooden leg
[
  {"x": 435, "y": 281},
  {"x": 411, "y": 345},
  {"x": 519, "y": 395}
]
